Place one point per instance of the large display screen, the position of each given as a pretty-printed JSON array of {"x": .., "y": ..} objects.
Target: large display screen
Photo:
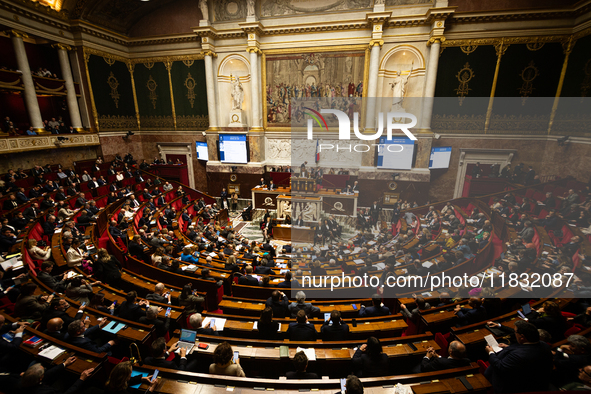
[
  {"x": 202, "y": 152},
  {"x": 440, "y": 157},
  {"x": 233, "y": 148},
  {"x": 396, "y": 154}
]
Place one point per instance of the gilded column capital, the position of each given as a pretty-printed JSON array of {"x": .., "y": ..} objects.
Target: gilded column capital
[
  {"x": 65, "y": 47},
  {"x": 209, "y": 53},
  {"x": 436, "y": 39},
  {"x": 16, "y": 33},
  {"x": 373, "y": 43},
  {"x": 256, "y": 50}
]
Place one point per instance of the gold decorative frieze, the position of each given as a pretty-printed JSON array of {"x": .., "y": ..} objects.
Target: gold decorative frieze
[
  {"x": 192, "y": 122},
  {"x": 116, "y": 123},
  {"x": 31, "y": 143},
  {"x": 157, "y": 122}
]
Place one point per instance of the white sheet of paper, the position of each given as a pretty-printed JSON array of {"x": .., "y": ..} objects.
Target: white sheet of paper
[
  {"x": 310, "y": 353},
  {"x": 492, "y": 342},
  {"x": 219, "y": 323}
]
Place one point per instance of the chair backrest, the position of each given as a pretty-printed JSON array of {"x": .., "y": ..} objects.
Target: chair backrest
[{"x": 442, "y": 342}]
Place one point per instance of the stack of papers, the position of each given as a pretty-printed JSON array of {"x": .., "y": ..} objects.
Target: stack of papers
[
  {"x": 15, "y": 263},
  {"x": 51, "y": 352},
  {"x": 359, "y": 261}
]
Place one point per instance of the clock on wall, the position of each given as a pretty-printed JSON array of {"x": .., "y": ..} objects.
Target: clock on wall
[
  {"x": 233, "y": 177},
  {"x": 392, "y": 186}
]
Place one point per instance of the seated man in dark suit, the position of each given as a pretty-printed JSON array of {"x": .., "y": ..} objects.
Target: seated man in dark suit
[
  {"x": 80, "y": 336},
  {"x": 151, "y": 317},
  {"x": 55, "y": 329},
  {"x": 377, "y": 309},
  {"x": 301, "y": 304},
  {"x": 288, "y": 282},
  {"x": 468, "y": 316},
  {"x": 262, "y": 269},
  {"x": 528, "y": 357},
  {"x": 335, "y": 329},
  {"x": 415, "y": 314},
  {"x": 279, "y": 303},
  {"x": 158, "y": 295},
  {"x": 248, "y": 279},
  {"x": 433, "y": 362},
  {"x": 129, "y": 309},
  {"x": 300, "y": 362},
  {"x": 6, "y": 348},
  {"x": 160, "y": 355},
  {"x": 302, "y": 330}
]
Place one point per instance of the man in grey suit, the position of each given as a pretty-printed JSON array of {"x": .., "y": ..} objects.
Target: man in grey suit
[
  {"x": 301, "y": 304},
  {"x": 527, "y": 233}
]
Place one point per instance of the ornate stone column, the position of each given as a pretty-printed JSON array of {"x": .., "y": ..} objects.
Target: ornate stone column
[
  {"x": 30, "y": 94},
  {"x": 208, "y": 51},
  {"x": 377, "y": 19},
  {"x": 72, "y": 100},
  {"x": 253, "y": 30},
  {"x": 431, "y": 80}
]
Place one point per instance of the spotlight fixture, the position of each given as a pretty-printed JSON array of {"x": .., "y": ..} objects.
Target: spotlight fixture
[
  {"x": 234, "y": 168},
  {"x": 562, "y": 141},
  {"x": 129, "y": 134},
  {"x": 395, "y": 175}
]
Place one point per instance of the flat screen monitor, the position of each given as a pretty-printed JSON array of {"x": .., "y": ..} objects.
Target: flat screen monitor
[
  {"x": 202, "y": 152},
  {"x": 396, "y": 154},
  {"x": 233, "y": 148},
  {"x": 440, "y": 157}
]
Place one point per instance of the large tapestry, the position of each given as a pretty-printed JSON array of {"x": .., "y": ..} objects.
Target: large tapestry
[{"x": 308, "y": 75}]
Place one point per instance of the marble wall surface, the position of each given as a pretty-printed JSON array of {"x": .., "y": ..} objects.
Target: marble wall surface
[
  {"x": 546, "y": 157},
  {"x": 64, "y": 156}
]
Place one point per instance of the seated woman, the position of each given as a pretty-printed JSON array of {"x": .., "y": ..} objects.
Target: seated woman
[
  {"x": 98, "y": 302},
  {"x": 369, "y": 360},
  {"x": 190, "y": 255},
  {"x": 38, "y": 253},
  {"x": 75, "y": 256},
  {"x": 192, "y": 302},
  {"x": 157, "y": 256},
  {"x": 266, "y": 326},
  {"x": 222, "y": 362},
  {"x": 120, "y": 380}
]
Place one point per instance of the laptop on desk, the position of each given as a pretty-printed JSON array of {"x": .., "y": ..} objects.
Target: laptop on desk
[{"x": 187, "y": 340}]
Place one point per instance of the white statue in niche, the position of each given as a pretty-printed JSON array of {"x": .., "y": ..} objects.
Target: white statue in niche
[
  {"x": 309, "y": 212},
  {"x": 399, "y": 87},
  {"x": 250, "y": 7},
  {"x": 237, "y": 93},
  {"x": 204, "y": 10}
]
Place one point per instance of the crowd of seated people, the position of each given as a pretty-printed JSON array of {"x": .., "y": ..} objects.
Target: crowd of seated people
[
  {"x": 52, "y": 126},
  {"x": 368, "y": 360}
]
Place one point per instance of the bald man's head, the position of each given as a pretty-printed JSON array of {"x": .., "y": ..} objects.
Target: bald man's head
[
  {"x": 55, "y": 324},
  {"x": 457, "y": 350},
  {"x": 159, "y": 288}
]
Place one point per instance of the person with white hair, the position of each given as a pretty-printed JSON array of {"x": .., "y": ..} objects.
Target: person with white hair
[
  {"x": 161, "y": 327},
  {"x": 159, "y": 295},
  {"x": 301, "y": 304},
  {"x": 196, "y": 323}
]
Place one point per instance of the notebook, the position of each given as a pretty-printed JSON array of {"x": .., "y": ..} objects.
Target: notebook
[{"x": 114, "y": 327}]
